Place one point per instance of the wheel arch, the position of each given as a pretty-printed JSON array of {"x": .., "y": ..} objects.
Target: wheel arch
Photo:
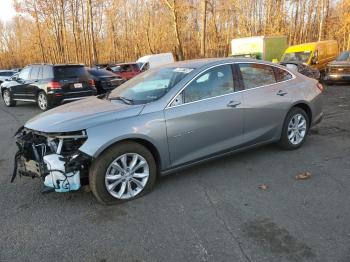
[
  {"x": 3, "y": 90},
  {"x": 38, "y": 91},
  {"x": 306, "y": 107},
  {"x": 142, "y": 141}
]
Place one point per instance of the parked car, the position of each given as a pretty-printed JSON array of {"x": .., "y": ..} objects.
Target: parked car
[
  {"x": 105, "y": 80},
  {"x": 6, "y": 74},
  {"x": 156, "y": 60},
  {"x": 106, "y": 66},
  {"x": 164, "y": 120},
  {"x": 303, "y": 69},
  {"x": 48, "y": 85},
  {"x": 126, "y": 70},
  {"x": 316, "y": 54},
  {"x": 339, "y": 70}
]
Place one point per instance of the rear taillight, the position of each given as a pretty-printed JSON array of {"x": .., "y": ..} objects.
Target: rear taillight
[
  {"x": 54, "y": 85},
  {"x": 320, "y": 86},
  {"x": 91, "y": 83}
]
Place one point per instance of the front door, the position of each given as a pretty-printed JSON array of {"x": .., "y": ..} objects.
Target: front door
[
  {"x": 205, "y": 118},
  {"x": 32, "y": 83},
  {"x": 18, "y": 89}
]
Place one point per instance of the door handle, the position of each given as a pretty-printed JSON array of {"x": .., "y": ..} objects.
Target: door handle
[
  {"x": 281, "y": 93},
  {"x": 233, "y": 104}
]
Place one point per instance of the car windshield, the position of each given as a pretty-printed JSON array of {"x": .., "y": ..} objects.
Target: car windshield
[
  {"x": 297, "y": 56},
  {"x": 150, "y": 86},
  {"x": 345, "y": 56}
]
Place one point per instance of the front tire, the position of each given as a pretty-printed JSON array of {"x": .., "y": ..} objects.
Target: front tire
[
  {"x": 42, "y": 101},
  {"x": 123, "y": 172},
  {"x": 295, "y": 129},
  {"x": 9, "y": 102}
]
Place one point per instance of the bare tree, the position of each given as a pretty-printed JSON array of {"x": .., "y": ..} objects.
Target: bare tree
[{"x": 204, "y": 27}]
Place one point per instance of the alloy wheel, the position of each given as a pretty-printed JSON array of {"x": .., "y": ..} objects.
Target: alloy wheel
[
  {"x": 297, "y": 129},
  {"x": 127, "y": 176},
  {"x": 7, "y": 98},
  {"x": 42, "y": 101}
]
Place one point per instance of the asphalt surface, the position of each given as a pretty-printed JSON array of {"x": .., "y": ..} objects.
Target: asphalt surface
[{"x": 212, "y": 212}]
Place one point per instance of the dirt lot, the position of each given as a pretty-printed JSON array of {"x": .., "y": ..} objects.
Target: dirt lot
[{"x": 213, "y": 212}]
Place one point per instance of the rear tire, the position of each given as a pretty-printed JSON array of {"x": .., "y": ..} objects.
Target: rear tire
[
  {"x": 123, "y": 174},
  {"x": 295, "y": 129},
  {"x": 42, "y": 101},
  {"x": 8, "y": 100}
]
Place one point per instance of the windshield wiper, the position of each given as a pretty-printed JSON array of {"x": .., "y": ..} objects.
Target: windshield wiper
[{"x": 124, "y": 99}]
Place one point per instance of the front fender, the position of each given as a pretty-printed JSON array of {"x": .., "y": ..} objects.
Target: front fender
[{"x": 149, "y": 127}]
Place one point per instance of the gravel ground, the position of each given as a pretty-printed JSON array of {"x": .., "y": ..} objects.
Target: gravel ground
[{"x": 212, "y": 212}]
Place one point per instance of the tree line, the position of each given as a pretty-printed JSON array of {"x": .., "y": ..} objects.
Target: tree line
[{"x": 102, "y": 31}]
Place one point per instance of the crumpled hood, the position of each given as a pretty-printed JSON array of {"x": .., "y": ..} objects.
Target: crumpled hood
[{"x": 81, "y": 115}]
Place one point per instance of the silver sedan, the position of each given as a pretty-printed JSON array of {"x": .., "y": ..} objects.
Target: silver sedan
[{"x": 164, "y": 120}]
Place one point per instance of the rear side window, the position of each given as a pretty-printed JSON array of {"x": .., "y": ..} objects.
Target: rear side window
[
  {"x": 255, "y": 75},
  {"x": 47, "y": 72},
  {"x": 282, "y": 75},
  {"x": 63, "y": 72}
]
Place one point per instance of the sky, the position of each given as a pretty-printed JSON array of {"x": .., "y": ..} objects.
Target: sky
[{"x": 6, "y": 10}]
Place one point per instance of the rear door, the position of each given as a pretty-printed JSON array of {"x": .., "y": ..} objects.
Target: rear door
[
  {"x": 18, "y": 88},
  {"x": 266, "y": 100},
  {"x": 205, "y": 118},
  {"x": 33, "y": 81}
]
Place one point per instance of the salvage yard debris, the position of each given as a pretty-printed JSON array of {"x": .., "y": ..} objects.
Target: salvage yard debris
[
  {"x": 263, "y": 187},
  {"x": 303, "y": 176}
]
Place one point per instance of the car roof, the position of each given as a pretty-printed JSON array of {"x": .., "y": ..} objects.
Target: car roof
[
  {"x": 132, "y": 63},
  {"x": 73, "y": 64},
  {"x": 8, "y": 71},
  {"x": 198, "y": 63}
]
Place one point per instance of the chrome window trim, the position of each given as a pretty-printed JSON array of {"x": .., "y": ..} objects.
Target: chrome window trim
[{"x": 240, "y": 91}]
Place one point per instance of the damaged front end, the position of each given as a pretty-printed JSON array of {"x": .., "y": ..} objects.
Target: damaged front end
[{"x": 53, "y": 157}]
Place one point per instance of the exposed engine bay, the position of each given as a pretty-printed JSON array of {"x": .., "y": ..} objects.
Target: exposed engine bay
[{"x": 53, "y": 157}]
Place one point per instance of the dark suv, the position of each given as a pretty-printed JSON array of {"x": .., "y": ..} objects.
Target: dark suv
[{"x": 48, "y": 85}]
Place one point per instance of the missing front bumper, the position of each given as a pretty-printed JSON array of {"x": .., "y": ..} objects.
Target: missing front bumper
[{"x": 42, "y": 156}]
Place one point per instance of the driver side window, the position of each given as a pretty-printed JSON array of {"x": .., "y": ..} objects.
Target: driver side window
[
  {"x": 24, "y": 74},
  {"x": 214, "y": 82}
]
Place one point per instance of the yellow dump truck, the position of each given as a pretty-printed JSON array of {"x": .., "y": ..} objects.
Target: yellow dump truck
[{"x": 315, "y": 54}]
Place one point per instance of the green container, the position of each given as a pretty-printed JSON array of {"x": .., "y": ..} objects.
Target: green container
[{"x": 269, "y": 48}]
